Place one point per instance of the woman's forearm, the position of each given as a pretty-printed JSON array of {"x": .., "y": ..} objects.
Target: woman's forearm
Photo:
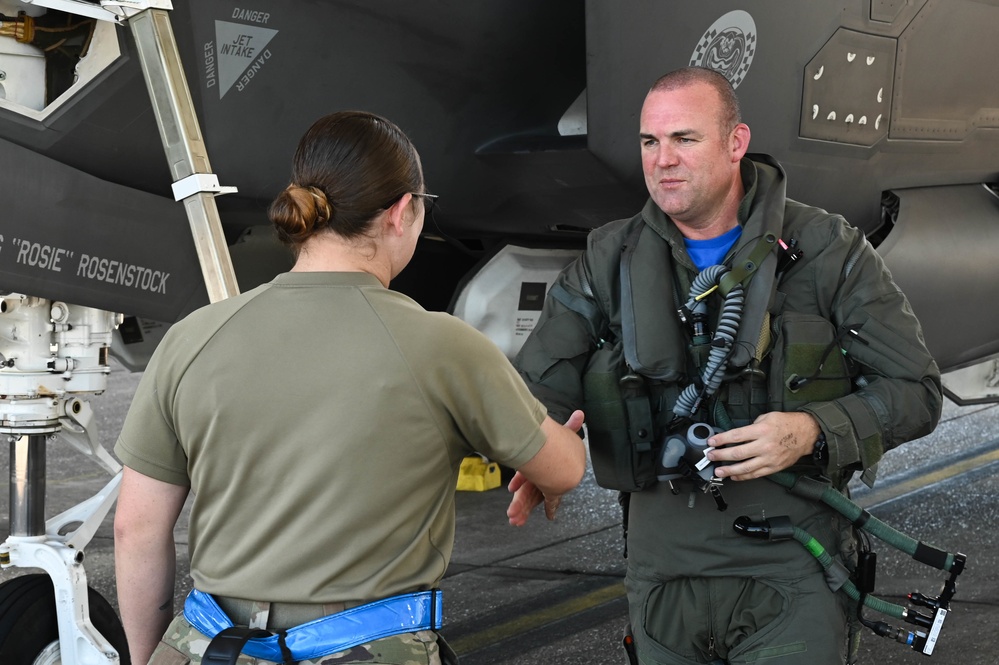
[{"x": 145, "y": 558}]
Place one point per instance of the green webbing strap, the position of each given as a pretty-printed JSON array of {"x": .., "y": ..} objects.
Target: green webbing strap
[
  {"x": 629, "y": 332},
  {"x": 639, "y": 414},
  {"x": 577, "y": 304},
  {"x": 744, "y": 272}
]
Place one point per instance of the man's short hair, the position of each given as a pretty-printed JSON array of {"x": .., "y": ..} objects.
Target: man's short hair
[{"x": 681, "y": 78}]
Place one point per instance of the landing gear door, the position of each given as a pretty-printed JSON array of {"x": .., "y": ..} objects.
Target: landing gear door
[{"x": 503, "y": 295}]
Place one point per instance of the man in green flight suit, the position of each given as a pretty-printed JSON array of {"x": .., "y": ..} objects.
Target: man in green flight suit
[{"x": 824, "y": 369}]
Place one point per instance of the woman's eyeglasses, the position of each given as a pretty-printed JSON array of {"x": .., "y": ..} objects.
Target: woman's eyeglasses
[{"x": 429, "y": 201}]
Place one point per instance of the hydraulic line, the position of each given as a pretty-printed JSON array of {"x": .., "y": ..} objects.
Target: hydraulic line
[
  {"x": 862, "y": 519},
  {"x": 721, "y": 345}
]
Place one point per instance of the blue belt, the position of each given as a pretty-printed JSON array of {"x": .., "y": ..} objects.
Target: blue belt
[{"x": 330, "y": 634}]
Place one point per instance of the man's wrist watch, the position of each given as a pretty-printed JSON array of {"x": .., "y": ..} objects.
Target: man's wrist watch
[{"x": 820, "y": 453}]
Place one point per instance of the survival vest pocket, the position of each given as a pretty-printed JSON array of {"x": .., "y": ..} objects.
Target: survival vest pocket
[
  {"x": 807, "y": 363},
  {"x": 619, "y": 422}
]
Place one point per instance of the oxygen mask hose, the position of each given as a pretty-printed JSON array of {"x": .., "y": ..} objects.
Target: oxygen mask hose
[
  {"x": 683, "y": 454},
  {"x": 705, "y": 282}
]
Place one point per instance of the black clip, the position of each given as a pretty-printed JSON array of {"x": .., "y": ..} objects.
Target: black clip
[{"x": 789, "y": 255}]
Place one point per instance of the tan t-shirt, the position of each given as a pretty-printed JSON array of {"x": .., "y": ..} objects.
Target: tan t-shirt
[{"x": 320, "y": 421}]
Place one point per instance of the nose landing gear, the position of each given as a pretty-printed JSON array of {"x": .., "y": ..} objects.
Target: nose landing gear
[{"x": 29, "y": 627}]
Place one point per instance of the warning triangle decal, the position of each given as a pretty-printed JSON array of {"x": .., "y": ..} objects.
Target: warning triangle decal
[{"x": 238, "y": 46}]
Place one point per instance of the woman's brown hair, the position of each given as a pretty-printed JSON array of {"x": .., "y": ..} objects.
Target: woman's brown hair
[{"x": 348, "y": 167}]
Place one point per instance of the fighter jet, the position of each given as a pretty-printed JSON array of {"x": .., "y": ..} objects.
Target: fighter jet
[
  {"x": 525, "y": 115},
  {"x": 142, "y": 141}
]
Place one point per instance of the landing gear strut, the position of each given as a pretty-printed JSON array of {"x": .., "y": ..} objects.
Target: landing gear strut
[{"x": 51, "y": 354}]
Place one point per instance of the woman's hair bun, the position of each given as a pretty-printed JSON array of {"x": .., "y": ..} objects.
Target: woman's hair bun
[
  {"x": 323, "y": 209},
  {"x": 298, "y": 211}
]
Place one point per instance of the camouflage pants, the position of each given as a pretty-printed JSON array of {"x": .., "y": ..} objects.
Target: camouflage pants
[{"x": 183, "y": 644}]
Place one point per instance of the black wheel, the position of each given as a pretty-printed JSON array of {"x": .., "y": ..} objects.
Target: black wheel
[{"x": 29, "y": 629}]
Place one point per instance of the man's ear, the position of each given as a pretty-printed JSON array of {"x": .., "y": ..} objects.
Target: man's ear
[
  {"x": 395, "y": 216},
  {"x": 740, "y": 141}
]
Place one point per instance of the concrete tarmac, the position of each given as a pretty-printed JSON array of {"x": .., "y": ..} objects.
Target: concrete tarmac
[{"x": 553, "y": 592}]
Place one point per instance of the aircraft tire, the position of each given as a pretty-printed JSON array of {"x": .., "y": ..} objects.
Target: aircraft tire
[{"x": 29, "y": 632}]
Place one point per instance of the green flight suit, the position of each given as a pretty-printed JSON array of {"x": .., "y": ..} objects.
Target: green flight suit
[{"x": 697, "y": 590}]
